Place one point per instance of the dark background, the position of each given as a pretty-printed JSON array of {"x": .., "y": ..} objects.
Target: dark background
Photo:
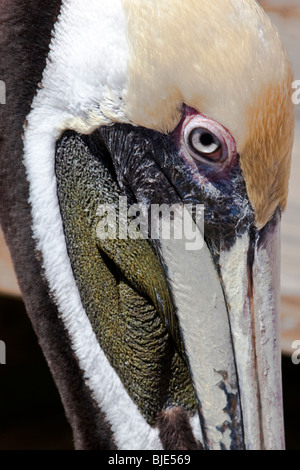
[{"x": 31, "y": 413}]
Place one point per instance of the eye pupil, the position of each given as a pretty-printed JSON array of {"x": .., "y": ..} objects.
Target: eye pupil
[
  {"x": 206, "y": 139},
  {"x": 205, "y": 143}
]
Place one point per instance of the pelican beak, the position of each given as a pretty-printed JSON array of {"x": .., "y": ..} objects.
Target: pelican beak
[
  {"x": 249, "y": 272},
  {"x": 224, "y": 289},
  {"x": 228, "y": 312}
]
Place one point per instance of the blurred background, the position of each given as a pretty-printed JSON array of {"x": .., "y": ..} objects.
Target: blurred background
[{"x": 31, "y": 414}]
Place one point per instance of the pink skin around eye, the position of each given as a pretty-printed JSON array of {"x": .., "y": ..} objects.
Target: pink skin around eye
[{"x": 191, "y": 120}]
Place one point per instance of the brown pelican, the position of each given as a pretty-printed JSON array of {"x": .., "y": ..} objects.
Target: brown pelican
[{"x": 152, "y": 345}]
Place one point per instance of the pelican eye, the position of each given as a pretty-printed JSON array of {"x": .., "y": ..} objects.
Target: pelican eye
[
  {"x": 205, "y": 144},
  {"x": 206, "y": 140}
]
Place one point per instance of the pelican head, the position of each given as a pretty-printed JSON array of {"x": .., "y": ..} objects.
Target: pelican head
[{"x": 156, "y": 343}]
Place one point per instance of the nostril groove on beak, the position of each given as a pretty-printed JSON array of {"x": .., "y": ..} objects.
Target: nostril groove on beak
[{"x": 251, "y": 257}]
